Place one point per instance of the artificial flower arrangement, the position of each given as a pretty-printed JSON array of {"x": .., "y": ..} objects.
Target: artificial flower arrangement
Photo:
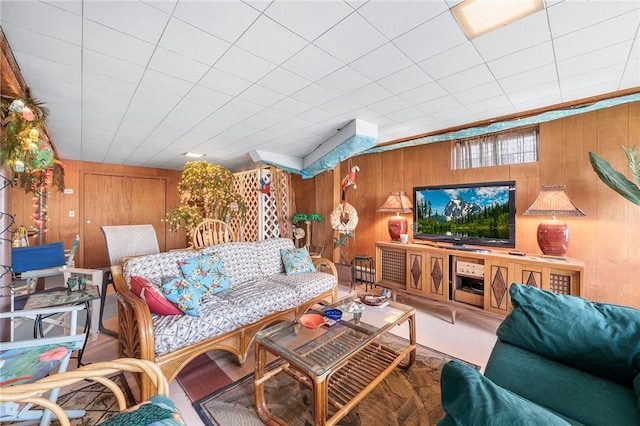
[{"x": 206, "y": 192}]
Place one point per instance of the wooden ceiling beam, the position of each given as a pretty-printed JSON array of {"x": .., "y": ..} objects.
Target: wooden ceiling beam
[{"x": 12, "y": 84}]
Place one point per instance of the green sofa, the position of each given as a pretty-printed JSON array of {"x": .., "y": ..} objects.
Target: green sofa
[{"x": 558, "y": 360}]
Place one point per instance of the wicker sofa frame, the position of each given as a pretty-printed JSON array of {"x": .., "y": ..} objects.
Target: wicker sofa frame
[{"x": 136, "y": 332}]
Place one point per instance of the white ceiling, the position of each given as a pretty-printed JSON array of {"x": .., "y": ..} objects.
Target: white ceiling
[{"x": 140, "y": 82}]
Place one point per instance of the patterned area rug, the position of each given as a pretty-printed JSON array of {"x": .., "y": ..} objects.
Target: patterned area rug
[
  {"x": 99, "y": 402},
  {"x": 405, "y": 397}
]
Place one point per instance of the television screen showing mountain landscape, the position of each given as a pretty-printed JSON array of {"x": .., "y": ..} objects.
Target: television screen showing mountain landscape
[{"x": 481, "y": 212}]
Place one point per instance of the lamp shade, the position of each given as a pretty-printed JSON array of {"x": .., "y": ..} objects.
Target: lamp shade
[
  {"x": 397, "y": 202},
  {"x": 553, "y": 234}
]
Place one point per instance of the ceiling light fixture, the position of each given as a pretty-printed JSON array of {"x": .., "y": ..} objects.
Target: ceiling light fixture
[
  {"x": 193, "y": 154},
  {"x": 477, "y": 17}
]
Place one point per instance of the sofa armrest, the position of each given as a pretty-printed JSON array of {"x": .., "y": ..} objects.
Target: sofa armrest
[
  {"x": 136, "y": 337},
  {"x": 470, "y": 398}
]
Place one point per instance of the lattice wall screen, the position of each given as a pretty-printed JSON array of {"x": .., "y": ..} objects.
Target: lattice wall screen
[{"x": 268, "y": 215}]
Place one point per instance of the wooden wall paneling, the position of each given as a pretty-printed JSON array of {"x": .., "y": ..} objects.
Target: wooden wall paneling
[
  {"x": 606, "y": 240},
  {"x": 633, "y": 226},
  {"x": 612, "y": 209},
  {"x": 324, "y": 198}
]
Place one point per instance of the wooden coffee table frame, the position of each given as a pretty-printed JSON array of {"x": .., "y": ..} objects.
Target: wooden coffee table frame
[{"x": 345, "y": 384}]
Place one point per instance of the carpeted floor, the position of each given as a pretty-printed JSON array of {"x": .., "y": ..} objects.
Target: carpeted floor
[
  {"x": 405, "y": 397},
  {"x": 99, "y": 402}
]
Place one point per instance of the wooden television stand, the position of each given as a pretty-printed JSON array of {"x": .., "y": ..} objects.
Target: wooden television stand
[{"x": 474, "y": 280}]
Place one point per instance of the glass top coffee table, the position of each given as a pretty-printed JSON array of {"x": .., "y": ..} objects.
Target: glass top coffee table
[{"x": 341, "y": 363}]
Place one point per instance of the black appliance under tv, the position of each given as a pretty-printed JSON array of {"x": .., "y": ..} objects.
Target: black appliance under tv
[{"x": 478, "y": 214}]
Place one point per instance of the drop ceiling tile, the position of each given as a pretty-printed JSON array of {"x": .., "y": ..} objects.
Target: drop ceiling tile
[
  {"x": 393, "y": 18},
  {"x": 113, "y": 43},
  {"x": 423, "y": 93},
  {"x": 264, "y": 118},
  {"x": 453, "y": 116},
  {"x": 103, "y": 96},
  {"x": 236, "y": 110},
  {"x": 456, "y": 59},
  {"x": 291, "y": 106},
  {"x": 108, "y": 85},
  {"x": 315, "y": 115},
  {"x": 165, "y": 83},
  {"x": 369, "y": 94},
  {"x": 381, "y": 62},
  {"x": 224, "y": 19},
  {"x": 490, "y": 107},
  {"x": 410, "y": 113},
  {"x": 260, "y": 95},
  {"x": 523, "y": 60},
  {"x": 477, "y": 93},
  {"x": 466, "y": 79},
  {"x": 34, "y": 66},
  {"x": 434, "y": 36},
  {"x": 526, "y": 32},
  {"x": 178, "y": 66},
  {"x": 341, "y": 105},
  {"x": 47, "y": 19},
  {"x": 283, "y": 81},
  {"x": 312, "y": 63},
  {"x": 586, "y": 92},
  {"x": 597, "y": 59},
  {"x": 314, "y": 95},
  {"x": 631, "y": 77},
  {"x": 344, "y": 80},
  {"x": 124, "y": 17},
  {"x": 350, "y": 39},
  {"x": 308, "y": 19},
  {"x": 166, "y": 6},
  {"x": 194, "y": 43},
  {"x": 245, "y": 65},
  {"x": 439, "y": 104},
  {"x": 406, "y": 79},
  {"x": 535, "y": 77},
  {"x": 270, "y": 41},
  {"x": 618, "y": 29},
  {"x": 100, "y": 63},
  {"x": 569, "y": 16},
  {"x": 546, "y": 90},
  {"x": 604, "y": 75},
  {"x": 36, "y": 44},
  {"x": 157, "y": 101},
  {"x": 389, "y": 105},
  {"x": 204, "y": 97},
  {"x": 224, "y": 82}
]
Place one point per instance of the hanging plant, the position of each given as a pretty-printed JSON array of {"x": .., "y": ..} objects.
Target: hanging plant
[
  {"x": 206, "y": 192},
  {"x": 616, "y": 180},
  {"x": 23, "y": 151}
]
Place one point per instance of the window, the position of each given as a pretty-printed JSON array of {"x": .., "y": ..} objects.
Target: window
[{"x": 496, "y": 149}]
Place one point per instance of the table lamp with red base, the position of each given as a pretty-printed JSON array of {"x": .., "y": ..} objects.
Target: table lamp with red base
[
  {"x": 397, "y": 203},
  {"x": 553, "y": 234}
]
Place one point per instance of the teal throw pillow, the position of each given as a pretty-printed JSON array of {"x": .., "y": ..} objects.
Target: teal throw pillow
[
  {"x": 186, "y": 297},
  {"x": 600, "y": 338},
  {"x": 297, "y": 261},
  {"x": 469, "y": 398},
  {"x": 206, "y": 273}
]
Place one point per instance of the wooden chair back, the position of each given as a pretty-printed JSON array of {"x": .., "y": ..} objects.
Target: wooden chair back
[{"x": 210, "y": 232}]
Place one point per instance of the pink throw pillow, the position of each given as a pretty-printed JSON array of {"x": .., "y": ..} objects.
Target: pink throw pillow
[{"x": 158, "y": 304}]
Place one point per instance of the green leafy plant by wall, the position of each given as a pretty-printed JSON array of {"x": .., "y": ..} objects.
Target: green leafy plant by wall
[
  {"x": 616, "y": 180},
  {"x": 206, "y": 192}
]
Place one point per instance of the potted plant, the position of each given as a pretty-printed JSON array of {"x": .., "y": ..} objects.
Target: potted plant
[
  {"x": 616, "y": 180},
  {"x": 307, "y": 218},
  {"x": 206, "y": 192},
  {"x": 343, "y": 266}
]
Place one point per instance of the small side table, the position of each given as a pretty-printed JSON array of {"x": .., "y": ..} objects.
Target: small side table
[
  {"x": 364, "y": 271},
  {"x": 59, "y": 296}
]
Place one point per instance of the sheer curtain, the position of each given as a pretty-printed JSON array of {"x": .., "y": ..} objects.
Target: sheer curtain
[{"x": 496, "y": 149}]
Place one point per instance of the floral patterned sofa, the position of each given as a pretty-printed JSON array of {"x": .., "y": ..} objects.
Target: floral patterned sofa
[{"x": 258, "y": 293}]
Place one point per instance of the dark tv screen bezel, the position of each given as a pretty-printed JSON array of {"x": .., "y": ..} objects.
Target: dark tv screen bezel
[{"x": 466, "y": 240}]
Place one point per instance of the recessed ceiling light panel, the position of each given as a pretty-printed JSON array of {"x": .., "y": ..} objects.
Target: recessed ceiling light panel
[
  {"x": 477, "y": 17},
  {"x": 193, "y": 154}
]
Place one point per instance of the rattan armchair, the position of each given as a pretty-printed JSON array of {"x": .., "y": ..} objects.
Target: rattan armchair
[{"x": 98, "y": 372}]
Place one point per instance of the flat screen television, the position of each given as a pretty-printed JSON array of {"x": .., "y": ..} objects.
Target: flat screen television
[{"x": 479, "y": 214}]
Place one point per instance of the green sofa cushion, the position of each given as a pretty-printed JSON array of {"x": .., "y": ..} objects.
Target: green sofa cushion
[
  {"x": 469, "y": 398},
  {"x": 570, "y": 392},
  {"x": 601, "y": 338}
]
